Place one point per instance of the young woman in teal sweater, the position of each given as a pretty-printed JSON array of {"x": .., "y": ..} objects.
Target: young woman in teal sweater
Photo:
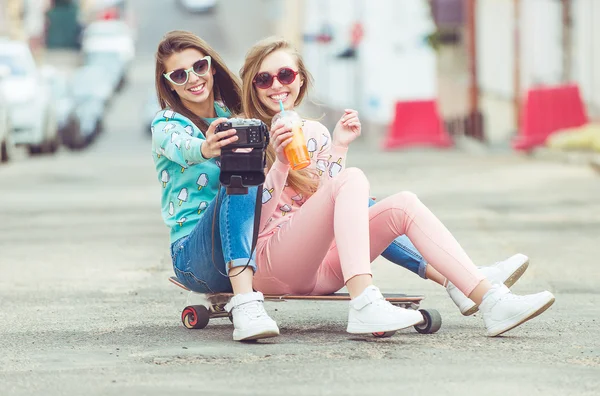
[{"x": 197, "y": 92}]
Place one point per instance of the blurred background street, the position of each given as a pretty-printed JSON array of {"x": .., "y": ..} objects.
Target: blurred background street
[{"x": 85, "y": 302}]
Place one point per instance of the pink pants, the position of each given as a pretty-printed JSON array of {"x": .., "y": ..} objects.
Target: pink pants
[{"x": 335, "y": 236}]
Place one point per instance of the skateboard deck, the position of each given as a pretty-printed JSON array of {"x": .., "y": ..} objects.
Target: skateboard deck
[{"x": 391, "y": 297}]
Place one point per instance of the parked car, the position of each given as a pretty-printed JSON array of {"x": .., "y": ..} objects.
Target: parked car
[
  {"x": 111, "y": 44},
  {"x": 113, "y": 36},
  {"x": 66, "y": 118},
  {"x": 32, "y": 112},
  {"x": 112, "y": 63},
  {"x": 6, "y": 143},
  {"x": 111, "y": 10},
  {"x": 199, "y": 6},
  {"x": 91, "y": 90}
]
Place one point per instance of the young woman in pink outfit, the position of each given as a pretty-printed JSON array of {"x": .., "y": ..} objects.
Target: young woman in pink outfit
[{"x": 317, "y": 232}]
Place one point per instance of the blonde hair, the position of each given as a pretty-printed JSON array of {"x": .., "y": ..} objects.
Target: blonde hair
[{"x": 302, "y": 181}]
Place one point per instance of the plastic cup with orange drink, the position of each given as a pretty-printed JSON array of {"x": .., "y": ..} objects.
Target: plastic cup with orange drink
[{"x": 296, "y": 151}]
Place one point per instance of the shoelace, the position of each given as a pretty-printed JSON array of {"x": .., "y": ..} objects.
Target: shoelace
[{"x": 253, "y": 309}]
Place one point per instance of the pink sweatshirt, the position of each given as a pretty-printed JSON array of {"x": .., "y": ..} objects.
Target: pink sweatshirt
[{"x": 280, "y": 201}]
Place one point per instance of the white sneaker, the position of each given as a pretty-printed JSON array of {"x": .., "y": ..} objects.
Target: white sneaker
[
  {"x": 503, "y": 310},
  {"x": 250, "y": 320},
  {"x": 371, "y": 313},
  {"x": 505, "y": 272}
]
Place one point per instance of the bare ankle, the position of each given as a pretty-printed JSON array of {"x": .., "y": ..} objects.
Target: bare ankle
[
  {"x": 241, "y": 280},
  {"x": 357, "y": 284},
  {"x": 477, "y": 294}
]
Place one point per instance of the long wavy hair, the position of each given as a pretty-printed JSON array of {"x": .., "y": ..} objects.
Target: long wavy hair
[
  {"x": 302, "y": 181},
  {"x": 227, "y": 87}
]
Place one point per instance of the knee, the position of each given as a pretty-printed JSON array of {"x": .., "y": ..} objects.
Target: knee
[
  {"x": 353, "y": 176},
  {"x": 406, "y": 199}
]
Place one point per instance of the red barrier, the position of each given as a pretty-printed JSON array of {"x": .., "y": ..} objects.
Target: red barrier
[
  {"x": 547, "y": 110},
  {"x": 417, "y": 123}
]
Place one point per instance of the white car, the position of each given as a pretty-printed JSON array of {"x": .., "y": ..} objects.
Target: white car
[
  {"x": 112, "y": 36},
  {"x": 198, "y": 5},
  {"x": 31, "y": 111}
]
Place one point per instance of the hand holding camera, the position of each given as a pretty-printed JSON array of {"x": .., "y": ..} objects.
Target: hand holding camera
[{"x": 215, "y": 140}]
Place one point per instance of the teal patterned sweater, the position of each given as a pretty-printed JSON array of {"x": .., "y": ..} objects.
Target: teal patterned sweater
[{"x": 188, "y": 180}]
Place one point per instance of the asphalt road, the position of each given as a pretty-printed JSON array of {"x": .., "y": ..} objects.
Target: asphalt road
[{"x": 86, "y": 308}]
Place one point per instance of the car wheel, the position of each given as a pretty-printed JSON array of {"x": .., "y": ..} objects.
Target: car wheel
[
  {"x": 4, "y": 157},
  {"x": 72, "y": 137},
  {"x": 35, "y": 150},
  {"x": 53, "y": 142},
  {"x": 52, "y": 139},
  {"x": 7, "y": 146},
  {"x": 52, "y": 146}
]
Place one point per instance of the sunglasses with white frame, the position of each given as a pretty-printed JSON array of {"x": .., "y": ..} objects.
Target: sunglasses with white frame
[{"x": 199, "y": 68}]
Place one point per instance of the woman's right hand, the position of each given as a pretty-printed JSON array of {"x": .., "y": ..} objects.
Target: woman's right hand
[
  {"x": 281, "y": 136},
  {"x": 214, "y": 141}
]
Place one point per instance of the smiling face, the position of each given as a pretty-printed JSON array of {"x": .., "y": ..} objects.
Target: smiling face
[
  {"x": 197, "y": 90},
  {"x": 288, "y": 94}
]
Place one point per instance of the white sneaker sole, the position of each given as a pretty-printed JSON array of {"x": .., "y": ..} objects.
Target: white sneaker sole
[
  {"x": 511, "y": 280},
  {"x": 518, "y": 273},
  {"x": 255, "y": 334},
  {"x": 368, "y": 328},
  {"x": 521, "y": 318}
]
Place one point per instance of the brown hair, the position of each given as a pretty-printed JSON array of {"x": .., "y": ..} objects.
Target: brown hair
[
  {"x": 227, "y": 87},
  {"x": 302, "y": 181}
]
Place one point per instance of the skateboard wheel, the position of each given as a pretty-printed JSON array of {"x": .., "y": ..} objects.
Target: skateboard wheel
[
  {"x": 195, "y": 316},
  {"x": 432, "y": 321},
  {"x": 384, "y": 334}
]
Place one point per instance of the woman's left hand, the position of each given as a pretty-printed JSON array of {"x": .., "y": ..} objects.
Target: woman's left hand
[{"x": 347, "y": 128}]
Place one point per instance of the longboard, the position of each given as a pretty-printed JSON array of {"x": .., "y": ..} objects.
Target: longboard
[
  {"x": 212, "y": 305},
  {"x": 393, "y": 297}
]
